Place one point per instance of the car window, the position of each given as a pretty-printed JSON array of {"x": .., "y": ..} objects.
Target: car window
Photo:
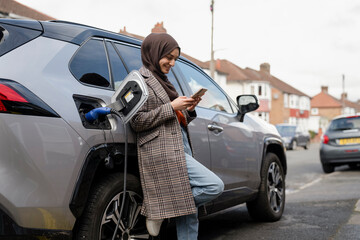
[
  {"x": 118, "y": 69},
  {"x": 214, "y": 98},
  {"x": 89, "y": 65},
  {"x": 174, "y": 81},
  {"x": 345, "y": 124},
  {"x": 12, "y": 37},
  {"x": 130, "y": 55},
  {"x": 132, "y": 58}
]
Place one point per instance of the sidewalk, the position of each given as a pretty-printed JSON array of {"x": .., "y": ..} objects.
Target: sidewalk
[{"x": 351, "y": 230}]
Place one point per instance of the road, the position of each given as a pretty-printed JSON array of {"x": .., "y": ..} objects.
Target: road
[{"x": 318, "y": 206}]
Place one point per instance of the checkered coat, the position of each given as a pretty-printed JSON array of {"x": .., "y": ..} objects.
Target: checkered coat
[{"x": 163, "y": 172}]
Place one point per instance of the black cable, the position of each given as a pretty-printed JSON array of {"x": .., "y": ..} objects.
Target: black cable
[{"x": 125, "y": 171}]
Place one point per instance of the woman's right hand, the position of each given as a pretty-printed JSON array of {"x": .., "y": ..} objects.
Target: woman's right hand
[{"x": 182, "y": 103}]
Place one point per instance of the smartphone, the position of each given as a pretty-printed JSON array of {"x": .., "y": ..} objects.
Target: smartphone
[{"x": 199, "y": 93}]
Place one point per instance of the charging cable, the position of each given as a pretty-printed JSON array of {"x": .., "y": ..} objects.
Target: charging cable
[{"x": 92, "y": 116}]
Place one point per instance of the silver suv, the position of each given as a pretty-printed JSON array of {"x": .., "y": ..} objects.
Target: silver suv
[{"x": 62, "y": 176}]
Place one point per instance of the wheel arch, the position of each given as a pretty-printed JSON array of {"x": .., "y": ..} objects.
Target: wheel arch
[
  {"x": 94, "y": 168},
  {"x": 275, "y": 146}
]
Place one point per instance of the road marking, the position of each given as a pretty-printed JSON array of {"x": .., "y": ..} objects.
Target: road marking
[
  {"x": 291, "y": 191},
  {"x": 304, "y": 186}
]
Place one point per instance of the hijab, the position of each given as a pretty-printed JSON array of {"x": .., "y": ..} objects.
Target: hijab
[{"x": 154, "y": 47}]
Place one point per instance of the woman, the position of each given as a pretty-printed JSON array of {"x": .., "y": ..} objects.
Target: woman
[{"x": 174, "y": 184}]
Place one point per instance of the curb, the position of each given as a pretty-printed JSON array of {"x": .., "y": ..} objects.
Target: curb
[
  {"x": 351, "y": 230},
  {"x": 357, "y": 206}
]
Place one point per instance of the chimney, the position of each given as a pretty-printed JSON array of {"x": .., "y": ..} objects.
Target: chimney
[
  {"x": 265, "y": 67},
  {"x": 159, "y": 28},
  {"x": 324, "y": 89},
  {"x": 344, "y": 96},
  {"x": 218, "y": 64},
  {"x": 123, "y": 31}
]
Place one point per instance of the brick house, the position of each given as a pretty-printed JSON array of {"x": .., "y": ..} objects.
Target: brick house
[
  {"x": 279, "y": 102},
  {"x": 243, "y": 81},
  {"x": 288, "y": 104},
  {"x": 325, "y": 107},
  {"x": 13, "y": 9}
]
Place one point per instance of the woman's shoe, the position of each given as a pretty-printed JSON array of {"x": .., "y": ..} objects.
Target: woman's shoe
[{"x": 153, "y": 226}]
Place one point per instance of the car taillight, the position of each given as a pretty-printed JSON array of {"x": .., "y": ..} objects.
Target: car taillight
[
  {"x": 325, "y": 139},
  {"x": 16, "y": 99}
]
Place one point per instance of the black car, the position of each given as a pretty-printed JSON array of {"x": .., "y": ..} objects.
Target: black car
[{"x": 293, "y": 136}]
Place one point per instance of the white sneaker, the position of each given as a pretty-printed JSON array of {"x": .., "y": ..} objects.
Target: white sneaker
[{"x": 153, "y": 226}]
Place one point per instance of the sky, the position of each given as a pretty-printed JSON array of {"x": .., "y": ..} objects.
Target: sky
[{"x": 308, "y": 43}]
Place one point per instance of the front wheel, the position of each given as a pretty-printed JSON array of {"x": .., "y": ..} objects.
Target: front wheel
[
  {"x": 103, "y": 209},
  {"x": 307, "y": 144},
  {"x": 270, "y": 202}
]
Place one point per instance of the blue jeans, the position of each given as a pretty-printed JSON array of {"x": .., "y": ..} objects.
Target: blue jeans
[{"x": 205, "y": 186}]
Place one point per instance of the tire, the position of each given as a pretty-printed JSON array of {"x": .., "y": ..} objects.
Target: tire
[
  {"x": 270, "y": 201},
  {"x": 353, "y": 166},
  {"x": 103, "y": 208},
  {"x": 306, "y": 147},
  {"x": 327, "y": 168},
  {"x": 294, "y": 145}
]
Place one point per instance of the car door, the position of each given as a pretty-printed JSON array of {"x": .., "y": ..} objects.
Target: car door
[{"x": 233, "y": 153}]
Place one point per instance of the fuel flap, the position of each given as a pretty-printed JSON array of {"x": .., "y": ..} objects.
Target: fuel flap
[{"x": 130, "y": 96}]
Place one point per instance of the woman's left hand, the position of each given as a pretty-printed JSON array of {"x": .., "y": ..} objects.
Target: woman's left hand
[{"x": 192, "y": 107}]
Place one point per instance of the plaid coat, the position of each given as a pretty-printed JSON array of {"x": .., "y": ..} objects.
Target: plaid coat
[{"x": 162, "y": 165}]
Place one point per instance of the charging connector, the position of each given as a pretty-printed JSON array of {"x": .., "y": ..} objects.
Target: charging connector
[{"x": 95, "y": 113}]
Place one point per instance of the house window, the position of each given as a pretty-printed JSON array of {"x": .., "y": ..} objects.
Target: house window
[
  {"x": 260, "y": 90},
  {"x": 265, "y": 92},
  {"x": 314, "y": 111},
  {"x": 286, "y": 100},
  {"x": 252, "y": 89},
  {"x": 292, "y": 120}
]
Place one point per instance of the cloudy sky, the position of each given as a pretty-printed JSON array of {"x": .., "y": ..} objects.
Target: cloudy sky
[{"x": 308, "y": 43}]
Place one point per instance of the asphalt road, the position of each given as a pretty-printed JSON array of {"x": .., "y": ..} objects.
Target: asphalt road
[{"x": 318, "y": 206}]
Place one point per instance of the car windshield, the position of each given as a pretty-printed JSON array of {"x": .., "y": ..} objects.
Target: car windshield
[
  {"x": 345, "y": 124},
  {"x": 286, "y": 131}
]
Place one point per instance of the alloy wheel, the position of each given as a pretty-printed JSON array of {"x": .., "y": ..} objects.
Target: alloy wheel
[
  {"x": 275, "y": 187},
  {"x": 132, "y": 224}
]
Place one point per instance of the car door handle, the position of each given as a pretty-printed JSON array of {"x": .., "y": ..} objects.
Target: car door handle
[{"x": 213, "y": 127}]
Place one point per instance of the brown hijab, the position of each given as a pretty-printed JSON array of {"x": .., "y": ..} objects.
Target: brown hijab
[{"x": 154, "y": 47}]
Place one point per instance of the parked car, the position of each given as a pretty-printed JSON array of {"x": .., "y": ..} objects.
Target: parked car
[
  {"x": 340, "y": 143},
  {"x": 62, "y": 176},
  {"x": 293, "y": 136}
]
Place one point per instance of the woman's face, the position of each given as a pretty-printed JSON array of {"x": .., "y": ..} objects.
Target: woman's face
[{"x": 167, "y": 62}]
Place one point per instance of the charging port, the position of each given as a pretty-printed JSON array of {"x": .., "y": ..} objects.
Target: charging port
[{"x": 84, "y": 105}]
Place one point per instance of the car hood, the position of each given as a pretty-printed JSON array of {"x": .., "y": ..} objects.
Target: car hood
[{"x": 261, "y": 126}]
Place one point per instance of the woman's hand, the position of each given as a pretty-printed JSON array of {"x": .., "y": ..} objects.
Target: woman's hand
[
  {"x": 192, "y": 107},
  {"x": 183, "y": 102}
]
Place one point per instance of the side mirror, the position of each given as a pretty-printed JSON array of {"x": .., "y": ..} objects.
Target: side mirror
[{"x": 246, "y": 103}]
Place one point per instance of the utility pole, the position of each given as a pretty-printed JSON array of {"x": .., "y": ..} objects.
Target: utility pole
[
  {"x": 343, "y": 93},
  {"x": 212, "y": 63}
]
